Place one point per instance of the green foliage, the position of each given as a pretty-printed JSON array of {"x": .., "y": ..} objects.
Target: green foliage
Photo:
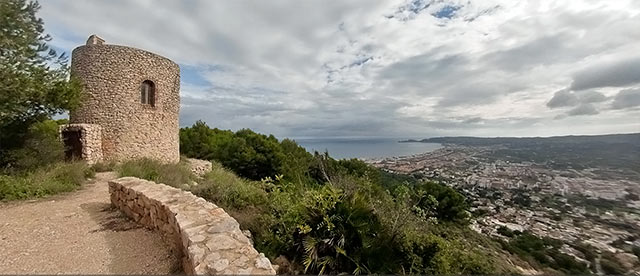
[
  {"x": 611, "y": 267},
  {"x": 332, "y": 216},
  {"x": 521, "y": 199},
  {"x": 441, "y": 201},
  {"x": 636, "y": 251},
  {"x": 33, "y": 77},
  {"x": 42, "y": 146},
  {"x": 104, "y": 166},
  {"x": 170, "y": 174},
  {"x": 587, "y": 250},
  {"x": 251, "y": 155},
  {"x": 391, "y": 180},
  {"x": 505, "y": 231},
  {"x": 149, "y": 169},
  {"x": 296, "y": 162},
  {"x": 426, "y": 253},
  {"x": 225, "y": 188},
  {"x": 47, "y": 180},
  {"x": 632, "y": 196},
  {"x": 545, "y": 252},
  {"x": 340, "y": 232}
]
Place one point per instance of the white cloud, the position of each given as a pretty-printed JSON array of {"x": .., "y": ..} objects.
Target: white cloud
[{"x": 382, "y": 68}]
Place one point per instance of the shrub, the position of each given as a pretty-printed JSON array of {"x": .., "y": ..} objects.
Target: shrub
[
  {"x": 636, "y": 251},
  {"x": 505, "y": 231},
  {"x": 104, "y": 166},
  {"x": 632, "y": 196},
  {"x": 611, "y": 267},
  {"x": 587, "y": 250},
  {"x": 48, "y": 180},
  {"x": 176, "y": 175},
  {"x": 545, "y": 251},
  {"x": 223, "y": 187},
  {"x": 249, "y": 154},
  {"x": 426, "y": 253},
  {"x": 341, "y": 233},
  {"x": 443, "y": 202},
  {"x": 42, "y": 146},
  {"x": 567, "y": 264}
]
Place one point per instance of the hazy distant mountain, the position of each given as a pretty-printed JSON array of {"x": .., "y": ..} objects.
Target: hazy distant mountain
[
  {"x": 633, "y": 138},
  {"x": 620, "y": 151}
]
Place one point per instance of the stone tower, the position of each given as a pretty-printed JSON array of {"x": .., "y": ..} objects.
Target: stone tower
[{"x": 130, "y": 105}]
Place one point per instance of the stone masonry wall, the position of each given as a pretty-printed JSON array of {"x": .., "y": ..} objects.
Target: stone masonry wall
[
  {"x": 210, "y": 239},
  {"x": 112, "y": 76},
  {"x": 90, "y": 138}
]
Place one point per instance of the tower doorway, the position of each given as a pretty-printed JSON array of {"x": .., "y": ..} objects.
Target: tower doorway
[{"x": 72, "y": 145}]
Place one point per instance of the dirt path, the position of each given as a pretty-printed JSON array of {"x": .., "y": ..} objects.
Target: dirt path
[{"x": 78, "y": 233}]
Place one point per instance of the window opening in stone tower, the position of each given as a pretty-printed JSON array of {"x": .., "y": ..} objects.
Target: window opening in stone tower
[{"x": 148, "y": 93}]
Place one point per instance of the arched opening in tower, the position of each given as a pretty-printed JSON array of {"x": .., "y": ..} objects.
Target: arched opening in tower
[{"x": 148, "y": 93}]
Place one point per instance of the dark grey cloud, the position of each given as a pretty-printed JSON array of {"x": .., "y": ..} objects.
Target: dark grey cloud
[
  {"x": 451, "y": 77},
  {"x": 478, "y": 123},
  {"x": 591, "y": 97},
  {"x": 626, "y": 98},
  {"x": 563, "y": 98},
  {"x": 583, "y": 109},
  {"x": 422, "y": 69},
  {"x": 617, "y": 74},
  {"x": 543, "y": 50},
  {"x": 582, "y": 101},
  {"x": 472, "y": 94}
]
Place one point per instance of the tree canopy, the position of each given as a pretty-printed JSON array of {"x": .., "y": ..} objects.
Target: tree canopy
[{"x": 34, "y": 82}]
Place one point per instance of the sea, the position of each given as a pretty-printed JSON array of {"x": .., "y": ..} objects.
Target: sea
[{"x": 365, "y": 148}]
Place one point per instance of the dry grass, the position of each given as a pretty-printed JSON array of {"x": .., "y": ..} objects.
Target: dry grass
[{"x": 43, "y": 181}]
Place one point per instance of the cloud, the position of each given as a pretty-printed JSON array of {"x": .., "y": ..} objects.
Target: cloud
[
  {"x": 566, "y": 98},
  {"x": 563, "y": 98},
  {"x": 582, "y": 103},
  {"x": 542, "y": 50},
  {"x": 473, "y": 120},
  {"x": 583, "y": 109},
  {"x": 381, "y": 68},
  {"x": 616, "y": 74},
  {"x": 626, "y": 99},
  {"x": 592, "y": 97}
]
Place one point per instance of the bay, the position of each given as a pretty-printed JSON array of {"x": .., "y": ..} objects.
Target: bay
[{"x": 365, "y": 148}]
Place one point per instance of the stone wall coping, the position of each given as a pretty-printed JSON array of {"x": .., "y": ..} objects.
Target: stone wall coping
[
  {"x": 210, "y": 240},
  {"x": 79, "y": 125},
  {"x": 128, "y": 48}
]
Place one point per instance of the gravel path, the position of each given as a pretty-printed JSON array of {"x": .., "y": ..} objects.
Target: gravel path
[{"x": 79, "y": 233}]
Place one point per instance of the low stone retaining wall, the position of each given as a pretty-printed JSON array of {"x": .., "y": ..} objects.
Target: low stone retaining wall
[{"x": 210, "y": 240}]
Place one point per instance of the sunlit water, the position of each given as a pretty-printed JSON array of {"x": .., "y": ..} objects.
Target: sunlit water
[{"x": 373, "y": 148}]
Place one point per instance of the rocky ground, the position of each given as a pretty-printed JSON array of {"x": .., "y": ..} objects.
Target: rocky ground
[{"x": 79, "y": 233}]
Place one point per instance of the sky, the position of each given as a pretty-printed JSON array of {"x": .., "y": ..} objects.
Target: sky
[{"x": 366, "y": 68}]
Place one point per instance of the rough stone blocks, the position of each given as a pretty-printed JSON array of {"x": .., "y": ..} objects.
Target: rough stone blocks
[
  {"x": 90, "y": 139},
  {"x": 112, "y": 77},
  {"x": 210, "y": 240}
]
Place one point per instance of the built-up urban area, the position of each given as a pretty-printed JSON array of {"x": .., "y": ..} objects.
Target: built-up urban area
[{"x": 593, "y": 211}]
